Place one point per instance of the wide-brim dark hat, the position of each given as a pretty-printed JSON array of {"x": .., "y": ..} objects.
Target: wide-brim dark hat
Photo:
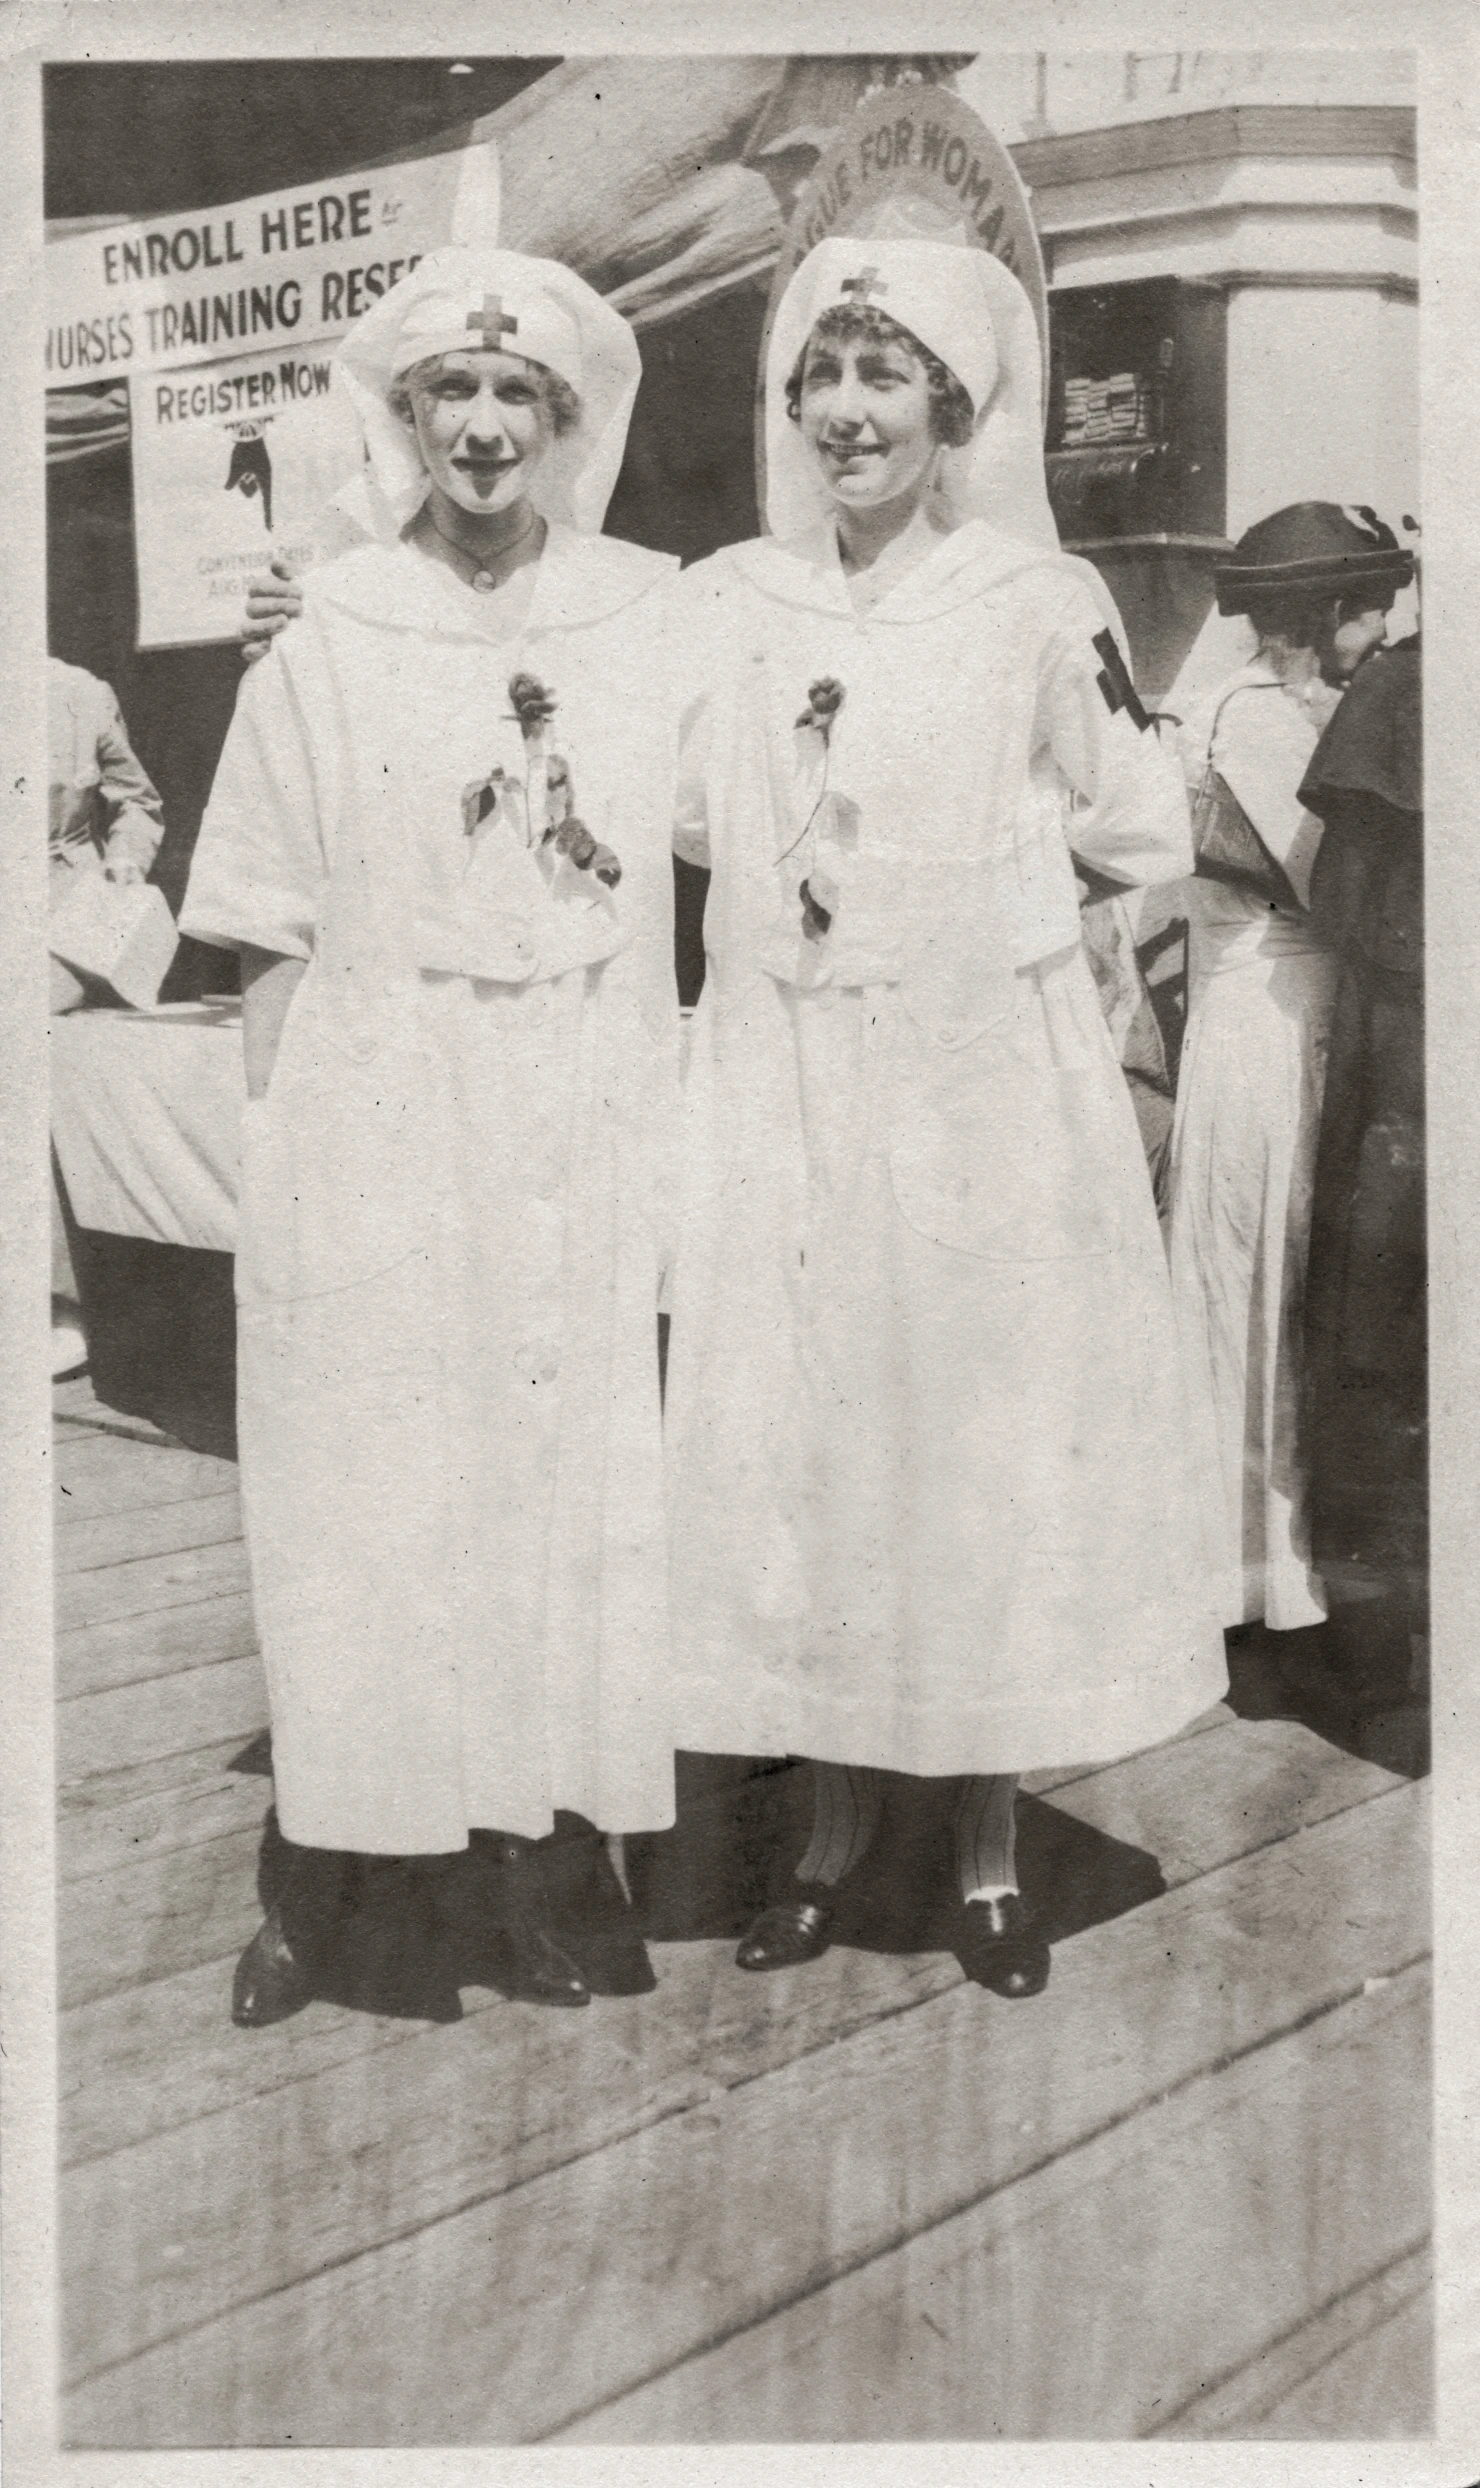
[{"x": 1313, "y": 548}]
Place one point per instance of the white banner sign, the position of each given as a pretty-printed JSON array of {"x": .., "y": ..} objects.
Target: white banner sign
[
  {"x": 231, "y": 462},
  {"x": 280, "y": 270}
]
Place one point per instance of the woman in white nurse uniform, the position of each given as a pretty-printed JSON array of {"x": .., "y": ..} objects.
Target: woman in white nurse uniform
[
  {"x": 929, "y": 1501},
  {"x": 1317, "y": 582},
  {"x": 439, "y": 836}
]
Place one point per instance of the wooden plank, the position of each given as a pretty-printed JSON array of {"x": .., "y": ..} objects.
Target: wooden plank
[
  {"x": 151, "y": 1583},
  {"x": 177, "y": 2059},
  {"x": 79, "y": 1405},
  {"x": 217, "y": 2068},
  {"x": 119, "y": 1789},
  {"x": 97, "y": 1422},
  {"x": 98, "y": 1473},
  {"x": 137, "y": 2065},
  {"x": 204, "y": 1799},
  {"x": 167, "y": 1715},
  {"x": 1188, "y": 1807},
  {"x": 443, "y": 2334},
  {"x": 165, "y": 1913},
  {"x": 72, "y": 1424},
  {"x": 1380, "y": 2386},
  {"x": 1043, "y": 1783},
  {"x": 123, "y": 2087},
  {"x": 1078, "y": 2302},
  {"x": 1387, "y": 2319},
  {"x": 103, "y": 1538},
  {"x": 95, "y": 1658}
]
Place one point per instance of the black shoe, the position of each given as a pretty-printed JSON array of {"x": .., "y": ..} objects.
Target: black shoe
[
  {"x": 508, "y": 1884},
  {"x": 1002, "y": 1948},
  {"x": 790, "y": 1931},
  {"x": 594, "y": 1921},
  {"x": 273, "y": 1980},
  {"x": 536, "y": 1971}
]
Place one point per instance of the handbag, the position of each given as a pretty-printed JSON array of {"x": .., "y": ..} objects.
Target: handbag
[
  {"x": 1226, "y": 845},
  {"x": 120, "y": 932}
]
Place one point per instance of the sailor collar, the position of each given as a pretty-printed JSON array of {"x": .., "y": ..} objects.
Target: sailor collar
[
  {"x": 972, "y": 561},
  {"x": 580, "y": 581}
]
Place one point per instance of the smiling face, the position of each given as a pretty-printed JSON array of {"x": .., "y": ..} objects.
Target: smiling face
[
  {"x": 866, "y": 418},
  {"x": 483, "y": 424}
]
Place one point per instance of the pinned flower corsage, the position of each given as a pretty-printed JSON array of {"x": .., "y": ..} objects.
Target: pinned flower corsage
[
  {"x": 818, "y": 892},
  {"x": 549, "y": 790},
  {"x": 560, "y": 829},
  {"x": 532, "y": 704},
  {"x": 824, "y": 699}
]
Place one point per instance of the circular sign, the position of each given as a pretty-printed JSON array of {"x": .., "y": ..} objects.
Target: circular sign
[{"x": 913, "y": 160}]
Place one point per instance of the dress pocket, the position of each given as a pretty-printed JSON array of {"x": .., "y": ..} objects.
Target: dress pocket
[
  {"x": 334, "y": 1183},
  {"x": 960, "y": 978},
  {"x": 998, "y": 1150}
]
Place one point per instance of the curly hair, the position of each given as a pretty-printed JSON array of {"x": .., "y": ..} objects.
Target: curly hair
[
  {"x": 1305, "y": 620},
  {"x": 952, "y": 420},
  {"x": 560, "y": 400}
]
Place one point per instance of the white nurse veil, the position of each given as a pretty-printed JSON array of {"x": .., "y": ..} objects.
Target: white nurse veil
[
  {"x": 460, "y": 296},
  {"x": 970, "y": 311}
]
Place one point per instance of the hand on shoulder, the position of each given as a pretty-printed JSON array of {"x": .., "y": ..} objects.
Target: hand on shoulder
[{"x": 274, "y": 599}]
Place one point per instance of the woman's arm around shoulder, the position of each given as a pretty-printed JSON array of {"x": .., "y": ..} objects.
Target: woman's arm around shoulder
[{"x": 704, "y": 607}]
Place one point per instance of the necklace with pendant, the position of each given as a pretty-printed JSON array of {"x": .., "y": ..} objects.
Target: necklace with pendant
[{"x": 481, "y": 578}]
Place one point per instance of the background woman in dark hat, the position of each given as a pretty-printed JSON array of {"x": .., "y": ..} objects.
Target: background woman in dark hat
[{"x": 1316, "y": 582}]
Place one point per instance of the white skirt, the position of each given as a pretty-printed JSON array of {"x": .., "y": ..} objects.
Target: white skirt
[
  {"x": 450, "y": 1445},
  {"x": 931, "y": 1502},
  {"x": 1243, "y": 1166}
]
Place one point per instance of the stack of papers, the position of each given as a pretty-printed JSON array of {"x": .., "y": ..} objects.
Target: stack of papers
[{"x": 1118, "y": 409}]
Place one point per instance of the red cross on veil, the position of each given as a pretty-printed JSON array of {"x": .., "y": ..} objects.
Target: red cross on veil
[
  {"x": 868, "y": 281},
  {"x": 493, "y": 322}
]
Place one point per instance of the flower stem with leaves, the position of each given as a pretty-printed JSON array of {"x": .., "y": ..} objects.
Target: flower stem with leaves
[{"x": 550, "y": 796}]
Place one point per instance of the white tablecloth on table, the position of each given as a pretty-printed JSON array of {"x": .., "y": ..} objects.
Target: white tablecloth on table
[{"x": 146, "y": 1114}]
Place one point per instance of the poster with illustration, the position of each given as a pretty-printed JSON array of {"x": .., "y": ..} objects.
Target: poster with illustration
[{"x": 232, "y": 461}]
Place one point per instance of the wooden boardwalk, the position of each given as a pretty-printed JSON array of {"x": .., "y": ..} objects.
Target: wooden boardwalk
[{"x": 1185, "y": 2193}]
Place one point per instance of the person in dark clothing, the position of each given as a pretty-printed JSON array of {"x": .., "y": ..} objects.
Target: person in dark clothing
[{"x": 1366, "y": 1325}]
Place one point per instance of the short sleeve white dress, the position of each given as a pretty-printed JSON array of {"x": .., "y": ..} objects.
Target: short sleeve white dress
[
  {"x": 452, "y": 1201},
  {"x": 930, "y": 1493}
]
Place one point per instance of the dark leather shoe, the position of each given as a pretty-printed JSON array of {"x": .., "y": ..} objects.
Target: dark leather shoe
[
  {"x": 272, "y": 1980},
  {"x": 506, "y": 1888},
  {"x": 536, "y": 1971},
  {"x": 1002, "y": 1947},
  {"x": 592, "y": 1919},
  {"x": 790, "y": 1931}
]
